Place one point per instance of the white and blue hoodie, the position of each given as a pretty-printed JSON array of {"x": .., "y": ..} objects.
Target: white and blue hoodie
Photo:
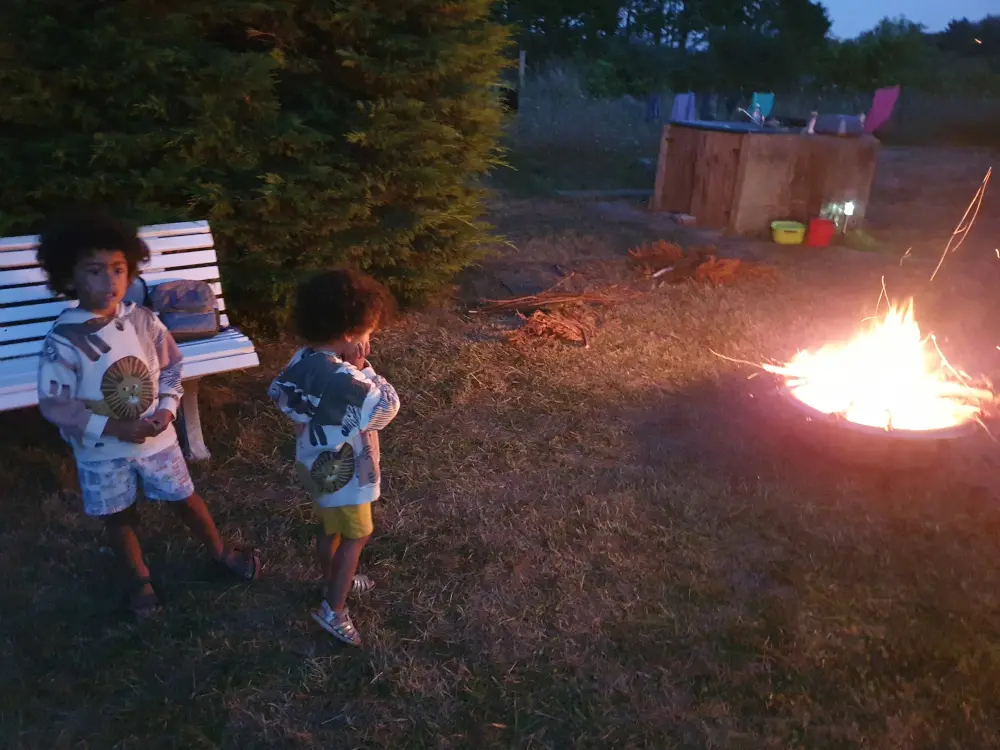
[
  {"x": 337, "y": 410},
  {"x": 93, "y": 369}
]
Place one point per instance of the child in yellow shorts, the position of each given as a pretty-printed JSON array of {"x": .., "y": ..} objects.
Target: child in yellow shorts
[{"x": 338, "y": 403}]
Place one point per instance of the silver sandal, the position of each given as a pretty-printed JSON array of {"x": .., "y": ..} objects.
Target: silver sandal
[
  {"x": 361, "y": 584},
  {"x": 337, "y": 625}
]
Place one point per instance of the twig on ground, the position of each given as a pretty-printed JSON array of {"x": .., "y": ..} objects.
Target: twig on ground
[{"x": 550, "y": 300}]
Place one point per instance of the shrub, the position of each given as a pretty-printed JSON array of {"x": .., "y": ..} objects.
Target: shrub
[{"x": 307, "y": 132}]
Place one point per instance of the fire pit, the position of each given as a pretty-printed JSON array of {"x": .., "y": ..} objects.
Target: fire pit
[
  {"x": 843, "y": 441},
  {"x": 887, "y": 397}
]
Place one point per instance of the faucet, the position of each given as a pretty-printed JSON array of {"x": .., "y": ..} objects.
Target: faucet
[{"x": 753, "y": 119}]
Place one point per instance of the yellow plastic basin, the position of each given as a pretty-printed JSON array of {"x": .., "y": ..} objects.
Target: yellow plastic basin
[{"x": 788, "y": 232}]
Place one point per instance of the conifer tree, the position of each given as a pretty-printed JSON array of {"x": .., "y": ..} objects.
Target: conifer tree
[{"x": 308, "y": 132}]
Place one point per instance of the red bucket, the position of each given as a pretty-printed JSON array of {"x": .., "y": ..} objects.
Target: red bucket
[{"x": 821, "y": 231}]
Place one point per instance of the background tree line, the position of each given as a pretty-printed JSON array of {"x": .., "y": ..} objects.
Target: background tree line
[{"x": 640, "y": 46}]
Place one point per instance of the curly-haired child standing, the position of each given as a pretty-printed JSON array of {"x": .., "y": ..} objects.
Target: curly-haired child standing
[
  {"x": 110, "y": 378},
  {"x": 338, "y": 403}
]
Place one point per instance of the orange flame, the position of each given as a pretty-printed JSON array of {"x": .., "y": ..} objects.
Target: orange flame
[{"x": 887, "y": 377}]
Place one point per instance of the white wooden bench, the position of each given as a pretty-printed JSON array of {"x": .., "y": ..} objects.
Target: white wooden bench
[{"x": 28, "y": 307}]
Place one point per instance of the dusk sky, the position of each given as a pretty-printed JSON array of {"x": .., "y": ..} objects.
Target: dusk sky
[{"x": 851, "y": 17}]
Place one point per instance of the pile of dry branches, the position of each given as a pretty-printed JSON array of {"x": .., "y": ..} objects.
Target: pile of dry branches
[
  {"x": 552, "y": 327},
  {"x": 669, "y": 263},
  {"x": 572, "y": 323}
]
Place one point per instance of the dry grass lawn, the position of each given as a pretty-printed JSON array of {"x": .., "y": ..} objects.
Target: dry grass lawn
[{"x": 615, "y": 546}]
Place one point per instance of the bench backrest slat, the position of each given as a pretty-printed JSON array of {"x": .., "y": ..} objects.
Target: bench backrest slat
[
  {"x": 27, "y": 306},
  {"x": 46, "y": 311},
  {"x": 158, "y": 248},
  {"x": 184, "y": 228}
]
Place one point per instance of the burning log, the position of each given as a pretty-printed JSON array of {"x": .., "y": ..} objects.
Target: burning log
[{"x": 887, "y": 377}]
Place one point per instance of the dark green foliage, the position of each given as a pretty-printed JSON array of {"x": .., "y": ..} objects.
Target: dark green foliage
[
  {"x": 308, "y": 133},
  {"x": 639, "y": 47}
]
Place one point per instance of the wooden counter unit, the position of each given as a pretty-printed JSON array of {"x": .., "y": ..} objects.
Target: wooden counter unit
[{"x": 739, "y": 177}]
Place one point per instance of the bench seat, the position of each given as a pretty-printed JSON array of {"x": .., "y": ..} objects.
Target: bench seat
[{"x": 28, "y": 308}]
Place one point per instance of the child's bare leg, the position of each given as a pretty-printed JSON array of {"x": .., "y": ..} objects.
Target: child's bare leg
[
  {"x": 194, "y": 514},
  {"x": 342, "y": 570},
  {"x": 124, "y": 541},
  {"x": 326, "y": 548}
]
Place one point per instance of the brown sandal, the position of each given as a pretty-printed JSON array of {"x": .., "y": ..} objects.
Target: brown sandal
[
  {"x": 143, "y": 600},
  {"x": 245, "y": 564}
]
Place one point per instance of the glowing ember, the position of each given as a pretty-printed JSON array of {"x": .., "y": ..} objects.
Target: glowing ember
[{"x": 888, "y": 377}]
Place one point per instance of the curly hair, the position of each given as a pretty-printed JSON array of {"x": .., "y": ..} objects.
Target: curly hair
[
  {"x": 68, "y": 240},
  {"x": 339, "y": 303}
]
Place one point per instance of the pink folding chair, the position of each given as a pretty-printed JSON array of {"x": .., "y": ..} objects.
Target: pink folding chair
[{"x": 882, "y": 107}]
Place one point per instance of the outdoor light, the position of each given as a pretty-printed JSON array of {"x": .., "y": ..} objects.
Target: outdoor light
[{"x": 849, "y": 208}]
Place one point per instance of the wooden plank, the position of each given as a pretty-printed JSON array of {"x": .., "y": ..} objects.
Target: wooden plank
[
  {"x": 159, "y": 245},
  {"x": 25, "y": 276},
  {"x": 41, "y": 293},
  {"x": 802, "y": 186},
  {"x": 24, "y": 331},
  {"x": 44, "y": 311},
  {"x": 20, "y": 295},
  {"x": 159, "y": 249},
  {"x": 14, "y": 258},
  {"x": 52, "y": 310},
  {"x": 225, "y": 344},
  {"x": 205, "y": 347},
  {"x": 715, "y": 179},
  {"x": 16, "y": 373},
  {"x": 20, "y": 399},
  {"x": 20, "y": 349},
  {"x": 22, "y": 276},
  {"x": 656, "y": 202},
  {"x": 846, "y": 169},
  {"x": 794, "y": 176},
  {"x": 176, "y": 228},
  {"x": 27, "y": 241},
  {"x": 219, "y": 365},
  {"x": 679, "y": 168},
  {"x": 205, "y": 273},
  {"x": 764, "y": 192},
  {"x": 739, "y": 185},
  {"x": 179, "y": 260},
  {"x": 21, "y": 242},
  {"x": 29, "y": 337}
]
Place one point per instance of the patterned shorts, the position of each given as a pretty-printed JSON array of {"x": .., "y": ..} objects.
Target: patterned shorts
[{"x": 111, "y": 486}]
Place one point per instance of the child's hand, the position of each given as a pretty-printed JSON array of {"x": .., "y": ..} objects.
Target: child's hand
[
  {"x": 161, "y": 420},
  {"x": 133, "y": 431},
  {"x": 359, "y": 355}
]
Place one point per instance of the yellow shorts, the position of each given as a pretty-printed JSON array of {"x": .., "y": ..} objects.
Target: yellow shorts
[{"x": 348, "y": 521}]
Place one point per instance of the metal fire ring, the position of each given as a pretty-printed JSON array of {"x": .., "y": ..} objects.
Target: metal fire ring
[{"x": 835, "y": 420}]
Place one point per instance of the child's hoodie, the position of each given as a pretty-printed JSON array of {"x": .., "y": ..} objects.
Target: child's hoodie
[
  {"x": 92, "y": 369},
  {"x": 337, "y": 409}
]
